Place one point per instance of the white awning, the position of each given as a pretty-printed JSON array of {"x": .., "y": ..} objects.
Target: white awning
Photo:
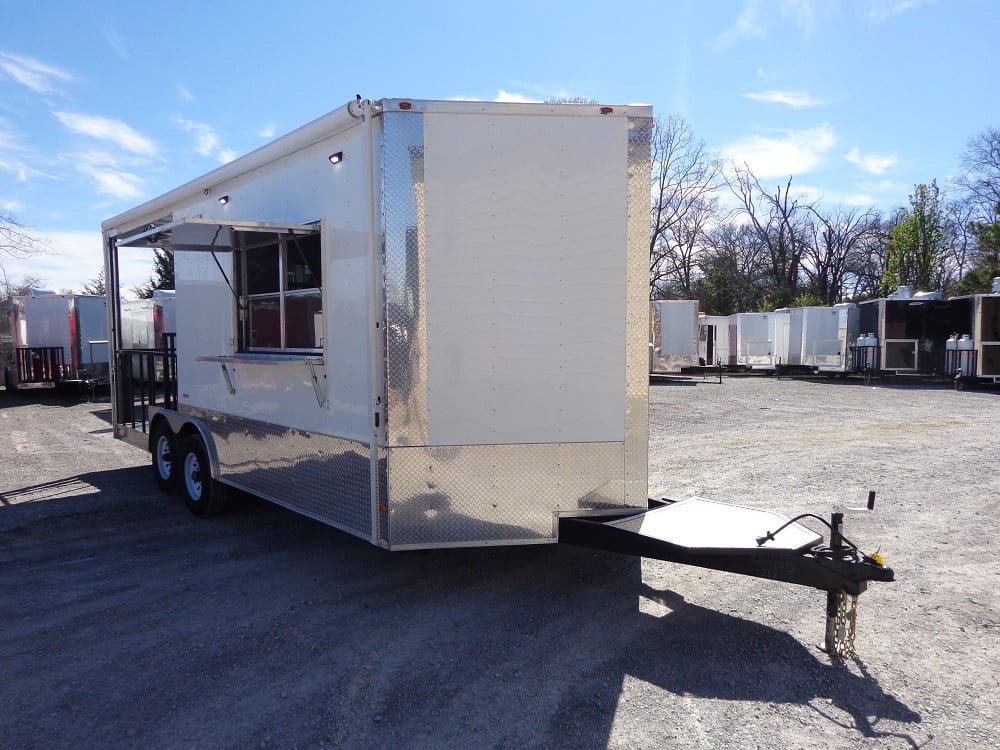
[{"x": 197, "y": 234}]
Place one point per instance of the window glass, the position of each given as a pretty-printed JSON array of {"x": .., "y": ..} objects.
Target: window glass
[
  {"x": 265, "y": 322},
  {"x": 303, "y": 321},
  {"x": 303, "y": 263},
  {"x": 280, "y": 297},
  {"x": 263, "y": 269}
]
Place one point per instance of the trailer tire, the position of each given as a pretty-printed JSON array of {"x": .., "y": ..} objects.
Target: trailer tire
[
  {"x": 165, "y": 457},
  {"x": 204, "y": 496}
]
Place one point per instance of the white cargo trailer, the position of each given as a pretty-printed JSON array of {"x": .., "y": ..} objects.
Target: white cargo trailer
[
  {"x": 714, "y": 349},
  {"x": 48, "y": 339},
  {"x": 673, "y": 335},
  {"x": 827, "y": 337},
  {"x": 757, "y": 338},
  {"x": 144, "y": 322}
]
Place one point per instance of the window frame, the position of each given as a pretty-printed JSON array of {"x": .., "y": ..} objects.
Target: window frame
[{"x": 250, "y": 240}]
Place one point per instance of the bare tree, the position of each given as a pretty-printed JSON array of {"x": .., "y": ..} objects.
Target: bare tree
[
  {"x": 836, "y": 239},
  {"x": 734, "y": 271},
  {"x": 865, "y": 274},
  {"x": 15, "y": 239},
  {"x": 780, "y": 223},
  {"x": 685, "y": 177},
  {"x": 18, "y": 243},
  {"x": 10, "y": 288},
  {"x": 979, "y": 179}
]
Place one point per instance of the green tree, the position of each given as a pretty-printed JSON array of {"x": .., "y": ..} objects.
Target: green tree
[
  {"x": 162, "y": 276},
  {"x": 96, "y": 285},
  {"x": 987, "y": 262},
  {"x": 919, "y": 243}
]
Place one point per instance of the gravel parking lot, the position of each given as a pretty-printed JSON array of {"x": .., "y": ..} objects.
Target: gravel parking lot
[{"x": 126, "y": 622}]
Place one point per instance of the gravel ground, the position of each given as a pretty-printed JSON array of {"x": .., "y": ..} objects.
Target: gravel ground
[{"x": 128, "y": 623}]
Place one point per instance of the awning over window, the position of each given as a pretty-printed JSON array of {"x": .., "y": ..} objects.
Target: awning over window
[{"x": 196, "y": 234}]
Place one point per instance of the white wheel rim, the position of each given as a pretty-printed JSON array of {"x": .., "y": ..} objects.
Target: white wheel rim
[
  {"x": 192, "y": 476},
  {"x": 164, "y": 459}
]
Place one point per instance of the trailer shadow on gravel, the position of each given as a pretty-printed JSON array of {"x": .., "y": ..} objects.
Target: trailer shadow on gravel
[
  {"x": 267, "y": 598},
  {"x": 709, "y": 654}
]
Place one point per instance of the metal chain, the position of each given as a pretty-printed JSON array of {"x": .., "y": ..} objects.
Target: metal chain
[{"x": 845, "y": 627}]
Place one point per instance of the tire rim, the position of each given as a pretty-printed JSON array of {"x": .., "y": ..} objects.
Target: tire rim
[
  {"x": 164, "y": 458},
  {"x": 192, "y": 476}
]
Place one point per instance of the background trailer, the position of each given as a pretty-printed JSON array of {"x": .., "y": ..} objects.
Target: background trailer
[
  {"x": 673, "y": 333},
  {"x": 828, "y": 336},
  {"x": 48, "y": 338},
  {"x": 912, "y": 329},
  {"x": 713, "y": 341}
]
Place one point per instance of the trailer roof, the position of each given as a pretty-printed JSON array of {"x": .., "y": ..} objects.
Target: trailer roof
[{"x": 157, "y": 210}]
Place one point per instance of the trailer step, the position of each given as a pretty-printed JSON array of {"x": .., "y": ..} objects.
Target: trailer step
[{"x": 701, "y": 525}]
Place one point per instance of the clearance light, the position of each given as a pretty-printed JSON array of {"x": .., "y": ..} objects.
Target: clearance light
[
  {"x": 607, "y": 110},
  {"x": 405, "y": 105},
  {"x": 336, "y": 158},
  {"x": 223, "y": 200}
]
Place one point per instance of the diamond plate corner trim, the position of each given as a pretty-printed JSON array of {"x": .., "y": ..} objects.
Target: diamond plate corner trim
[
  {"x": 637, "y": 313},
  {"x": 404, "y": 229},
  {"x": 323, "y": 477},
  {"x": 469, "y": 495}
]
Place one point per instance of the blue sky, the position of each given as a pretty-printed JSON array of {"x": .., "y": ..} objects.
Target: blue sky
[{"x": 104, "y": 105}]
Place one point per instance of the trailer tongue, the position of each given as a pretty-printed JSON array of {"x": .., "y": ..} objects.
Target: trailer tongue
[{"x": 749, "y": 541}]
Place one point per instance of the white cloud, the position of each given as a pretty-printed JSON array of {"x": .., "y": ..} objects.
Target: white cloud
[
  {"x": 117, "y": 183},
  {"x": 206, "y": 140},
  {"x": 73, "y": 258},
  {"x": 506, "y": 96},
  {"x": 746, "y": 26},
  {"x": 267, "y": 131},
  {"x": 808, "y": 15},
  {"x": 106, "y": 129},
  {"x": 795, "y": 99},
  {"x": 882, "y": 10},
  {"x": 872, "y": 163},
  {"x": 796, "y": 152},
  {"x": 114, "y": 41},
  {"x": 185, "y": 94},
  {"x": 36, "y": 75}
]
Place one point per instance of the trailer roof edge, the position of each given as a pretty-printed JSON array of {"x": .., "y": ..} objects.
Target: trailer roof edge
[{"x": 302, "y": 137}]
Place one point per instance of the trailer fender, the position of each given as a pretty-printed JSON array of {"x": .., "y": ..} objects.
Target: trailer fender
[{"x": 182, "y": 425}]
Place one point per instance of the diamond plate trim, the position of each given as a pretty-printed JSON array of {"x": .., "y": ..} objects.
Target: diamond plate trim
[
  {"x": 404, "y": 228},
  {"x": 497, "y": 493},
  {"x": 323, "y": 477},
  {"x": 637, "y": 313}
]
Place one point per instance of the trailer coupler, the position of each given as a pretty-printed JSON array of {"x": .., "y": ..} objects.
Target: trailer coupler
[{"x": 747, "y": 541}]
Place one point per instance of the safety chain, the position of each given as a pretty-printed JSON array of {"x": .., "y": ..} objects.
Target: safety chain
[{"x": 845, "y": 627}]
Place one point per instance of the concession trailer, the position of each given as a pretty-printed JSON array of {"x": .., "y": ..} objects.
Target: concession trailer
[
  {"x": 425, "y": 323},
  {"x": 48, "y": 339},
  {"x": 974, "y": 346},
  {"x": 908, "y": 330}
]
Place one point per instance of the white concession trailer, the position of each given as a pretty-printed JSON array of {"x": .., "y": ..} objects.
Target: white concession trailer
[
  {"x": 421, "y": 322},
  {"x": 425, "y": 323}
]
